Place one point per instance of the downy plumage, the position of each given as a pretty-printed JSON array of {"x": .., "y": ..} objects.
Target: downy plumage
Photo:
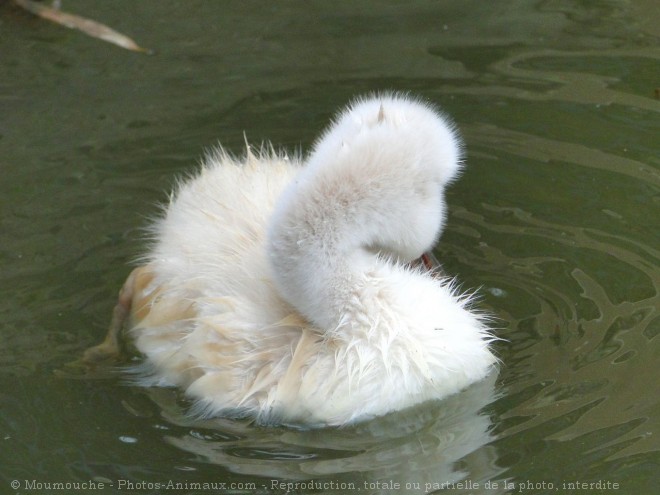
[{"x": 283, "y": 289}]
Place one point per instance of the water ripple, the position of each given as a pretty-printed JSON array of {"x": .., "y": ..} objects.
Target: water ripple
[{"x": 590, "y": 338}]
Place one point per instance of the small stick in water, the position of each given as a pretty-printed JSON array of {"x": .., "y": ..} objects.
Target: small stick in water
[{"x": 87, "y": 26}]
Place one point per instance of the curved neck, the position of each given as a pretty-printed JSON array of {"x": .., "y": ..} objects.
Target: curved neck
[{"x": 372, "y": 187}]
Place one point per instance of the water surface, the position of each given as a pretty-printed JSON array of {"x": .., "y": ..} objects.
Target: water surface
[{"x": 555, "y": 220}]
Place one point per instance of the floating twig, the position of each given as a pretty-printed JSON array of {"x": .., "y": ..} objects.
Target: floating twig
[{"x": 87, "y": 26}]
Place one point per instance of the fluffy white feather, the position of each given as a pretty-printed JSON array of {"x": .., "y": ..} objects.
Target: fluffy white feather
[{"x": 281, "y": 290}]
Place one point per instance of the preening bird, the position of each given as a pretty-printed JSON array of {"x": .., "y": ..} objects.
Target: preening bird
[{"x": 286, "y": 289}]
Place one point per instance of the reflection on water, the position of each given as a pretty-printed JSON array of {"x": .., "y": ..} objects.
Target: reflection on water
[
  {"x": 556, "y": 219},
  {"x": 416, "y": 450}
]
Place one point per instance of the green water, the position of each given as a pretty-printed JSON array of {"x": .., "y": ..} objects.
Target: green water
[{"x": 556, "y": 219}]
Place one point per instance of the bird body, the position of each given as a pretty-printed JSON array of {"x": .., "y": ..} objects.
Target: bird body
[{"x": 282, "y": 288}]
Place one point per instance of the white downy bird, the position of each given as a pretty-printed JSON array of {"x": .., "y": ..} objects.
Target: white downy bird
[{"x": 286, "y": 289}]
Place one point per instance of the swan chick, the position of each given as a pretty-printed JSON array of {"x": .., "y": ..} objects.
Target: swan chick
[{"x": 282, "y": 288}]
